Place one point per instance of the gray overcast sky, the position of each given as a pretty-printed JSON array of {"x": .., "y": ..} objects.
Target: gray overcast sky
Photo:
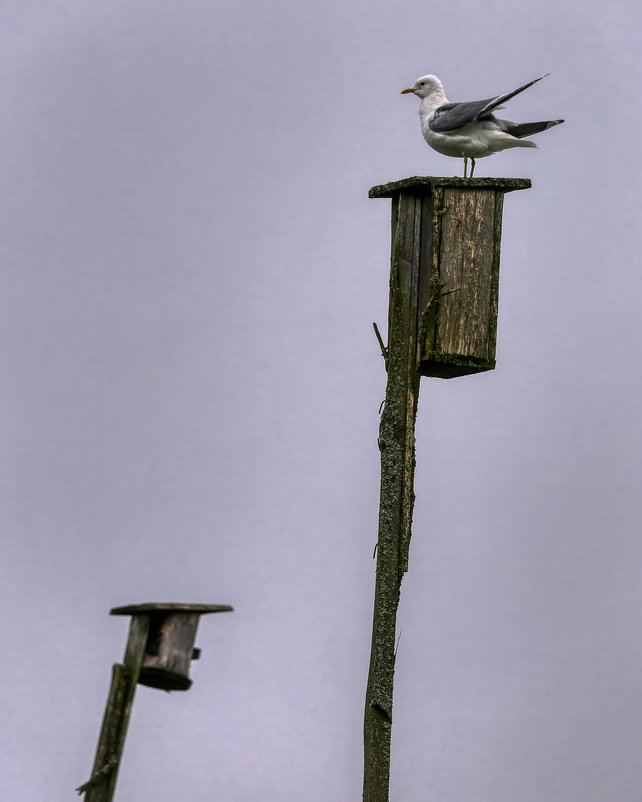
[{"x": 190, "y": 271}]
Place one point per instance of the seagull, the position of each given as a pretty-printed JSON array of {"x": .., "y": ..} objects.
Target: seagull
[{"x": 470, "y": 130}]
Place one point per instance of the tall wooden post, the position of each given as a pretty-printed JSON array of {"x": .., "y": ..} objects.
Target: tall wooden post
[
  {"x": 442, "y": 320},
  {"x": 101, "y": 786}
]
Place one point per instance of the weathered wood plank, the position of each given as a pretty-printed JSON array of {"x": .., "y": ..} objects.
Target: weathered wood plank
[
  {"x": 170, "y": 607},
  {"x": 466, "y": 261},
  {"x": 419, "y": 184}
]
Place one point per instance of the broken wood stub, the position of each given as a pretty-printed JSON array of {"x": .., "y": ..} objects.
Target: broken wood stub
[{"x": 456, "y": 227}]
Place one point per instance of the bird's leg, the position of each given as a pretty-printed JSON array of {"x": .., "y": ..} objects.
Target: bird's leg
[
  {"x": 465, "y": 165},
  {"x": 472, "y": 166}
]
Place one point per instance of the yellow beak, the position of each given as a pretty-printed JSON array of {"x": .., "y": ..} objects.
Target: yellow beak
[{"x": 405, "y": 91}]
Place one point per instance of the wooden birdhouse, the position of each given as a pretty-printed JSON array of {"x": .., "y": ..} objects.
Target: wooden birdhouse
[
  {"x": 160, "y": 648},
  {"x": 169, "y": 647},
  {"x": 448, "y": 232}
]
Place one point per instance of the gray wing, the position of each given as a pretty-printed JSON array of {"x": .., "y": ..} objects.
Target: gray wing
[{"x": 452, "y": 116}]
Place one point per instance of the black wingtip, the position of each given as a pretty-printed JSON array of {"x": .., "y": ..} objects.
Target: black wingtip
[{"x": 497, "y": 101}]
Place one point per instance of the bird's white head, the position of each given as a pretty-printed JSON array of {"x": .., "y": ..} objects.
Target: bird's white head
[{"x": 425, "y": 86}]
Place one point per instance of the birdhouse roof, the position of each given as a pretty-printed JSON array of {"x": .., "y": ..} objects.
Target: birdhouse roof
[{"x": 170, "y": 607}]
